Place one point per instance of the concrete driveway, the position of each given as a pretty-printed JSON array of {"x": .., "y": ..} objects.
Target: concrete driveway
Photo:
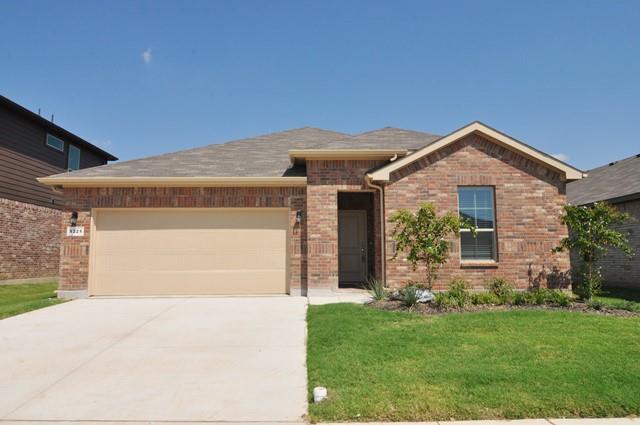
[{"x": 156, "y": 359}]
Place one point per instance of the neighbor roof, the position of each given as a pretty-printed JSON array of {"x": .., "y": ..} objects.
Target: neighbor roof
[
  {"x": 261, "y": 156},
  {"x": 613, "y": 182},
  {"x": 53, "y": 128}
]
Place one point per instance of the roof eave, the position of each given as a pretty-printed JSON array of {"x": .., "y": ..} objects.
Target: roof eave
[
  {"x": 54, "y": 128},
  {"x": 62, "y": 181}
]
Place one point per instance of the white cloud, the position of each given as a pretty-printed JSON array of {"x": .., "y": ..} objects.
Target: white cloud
[
  {"x": 147, "y": 56},
  {"x": 561, "y": 156}
]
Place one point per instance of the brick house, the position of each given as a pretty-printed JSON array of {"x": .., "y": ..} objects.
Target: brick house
[
  {"x": 30, "y": 212},
  {"x": 617, "y": 183},
  {"x": 306, "y": 211}
]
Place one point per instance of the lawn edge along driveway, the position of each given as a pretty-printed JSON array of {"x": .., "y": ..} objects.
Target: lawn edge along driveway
[{"x": 21, "y": 298}]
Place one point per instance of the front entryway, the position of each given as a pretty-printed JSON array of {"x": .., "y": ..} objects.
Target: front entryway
[
  {"x": 355, "y": 238},
  {"x": 352, "y": 246}
]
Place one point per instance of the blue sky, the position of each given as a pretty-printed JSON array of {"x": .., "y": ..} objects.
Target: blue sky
[{"x": 142, "y": 78}]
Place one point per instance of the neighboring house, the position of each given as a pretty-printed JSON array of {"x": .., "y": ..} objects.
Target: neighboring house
[
  {"x": 617, "y": 183},
  {"x": 30, "y": 212},
  {"x": 306, "y": 211}
]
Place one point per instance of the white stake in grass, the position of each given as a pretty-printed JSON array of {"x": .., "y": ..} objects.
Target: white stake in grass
[{"x": 319, "y": 394}]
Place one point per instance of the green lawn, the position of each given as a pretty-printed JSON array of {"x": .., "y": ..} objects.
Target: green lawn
[
  {"x": 385, "y": 366},
  {"x": 629, "y": 298},
  {"x": 16, "y": 299}
]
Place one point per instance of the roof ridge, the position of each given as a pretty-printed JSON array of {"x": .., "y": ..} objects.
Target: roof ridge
[
  {"x": 389, "y": 127},
  {"x": 615, "y": 162}
]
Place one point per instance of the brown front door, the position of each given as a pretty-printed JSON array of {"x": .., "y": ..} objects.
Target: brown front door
[{"x": 352, "y": 246}]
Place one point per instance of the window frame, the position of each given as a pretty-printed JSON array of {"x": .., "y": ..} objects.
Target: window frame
[
  {"x": 494, "y": 229},
  {"x": 51, "y": 136},
  {"x": 71, "y": 147}
]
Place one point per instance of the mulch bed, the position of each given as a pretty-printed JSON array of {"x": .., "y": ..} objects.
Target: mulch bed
[{"x": 431, "y": 308}]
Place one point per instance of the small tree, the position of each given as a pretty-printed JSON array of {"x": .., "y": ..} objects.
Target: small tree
[
  {"x": 423, "y": 235},
  {"x": 591, "y": 234}
]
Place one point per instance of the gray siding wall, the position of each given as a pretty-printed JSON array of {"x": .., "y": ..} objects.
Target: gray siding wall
[
  {"x": 617, "y": 269},
  {"x": 25, "y": 157}
]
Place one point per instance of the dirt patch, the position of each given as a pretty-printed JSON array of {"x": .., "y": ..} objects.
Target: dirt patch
[{"x": 432, "y": 308}]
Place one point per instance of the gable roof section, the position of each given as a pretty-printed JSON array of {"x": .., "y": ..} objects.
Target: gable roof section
[
  {"x": 614, "y": 182},
  {"x": 50, "y": 127},
  {"x": 255, "y": 159},
  {"x": 571, "y": 173}
]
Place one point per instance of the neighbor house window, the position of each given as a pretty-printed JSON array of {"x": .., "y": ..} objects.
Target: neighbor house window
[
  {"x": 476, "y": 206},
  {"x": 73, "y": 162},
  {"x": 55, "y": 143}
]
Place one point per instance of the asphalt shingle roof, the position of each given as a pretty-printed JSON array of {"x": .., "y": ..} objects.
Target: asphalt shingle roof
[
  {"x": 609, "y": 182},
  {"x": 261, "y": 156}
]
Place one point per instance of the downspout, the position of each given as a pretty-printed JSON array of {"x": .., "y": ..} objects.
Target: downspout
[{"x": 380, "y": 189}]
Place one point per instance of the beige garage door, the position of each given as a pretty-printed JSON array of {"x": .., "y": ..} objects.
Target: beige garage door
[{"x": 188, "y": 251}]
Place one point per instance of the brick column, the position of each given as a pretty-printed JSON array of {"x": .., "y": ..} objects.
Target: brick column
[
  {"x": 324, "y": 179},
  {"x": 322, "y": 237}
]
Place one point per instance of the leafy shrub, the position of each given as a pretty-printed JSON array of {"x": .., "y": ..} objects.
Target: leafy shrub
[
  {"x": 521, "y": 298},
  {"x": 459, "y": 289},
  {"x": 456, "y": 297},
  {"x": 409, "y": 295},
  {"x": 423, "y": 235},
  {"x": 596, "y": 304},
  {"x": 617, "y": 304},
  {"x": 541, "y": 296},
  {"x": 445, "y": 302},
  {"x": 486, "y": 298},
  {"x": 558, "y": 297},
  {"x": 502, "y": 289},
  {"x": 376, "y": 289},
  {"x": 592, "y": 231}
]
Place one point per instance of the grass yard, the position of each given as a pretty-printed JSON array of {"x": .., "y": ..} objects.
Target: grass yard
[
  {"x": 16, "y": 299},
  {"x": 629, "y": 298},
  {"x": 393, "y": 366}
]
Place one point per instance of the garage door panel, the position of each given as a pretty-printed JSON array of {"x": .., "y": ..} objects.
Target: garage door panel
[
  {"x": 192, "y": 283},
  {"x": 146, "y": 252}
]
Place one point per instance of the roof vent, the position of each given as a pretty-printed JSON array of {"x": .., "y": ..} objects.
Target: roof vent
[{"x": 613, "y": 163}]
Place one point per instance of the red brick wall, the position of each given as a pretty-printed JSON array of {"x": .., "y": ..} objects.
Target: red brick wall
[
  {"x": 29, "y": 240},
  {"x": 528, "y": 197},
  {"x": 75, "y": 250},
  {"x": 324, "y": 179}
]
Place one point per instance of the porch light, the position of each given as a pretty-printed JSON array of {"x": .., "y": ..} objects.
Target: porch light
[
  {"x": 74, "y": 219},
  {"x": 299, "y": 216}
]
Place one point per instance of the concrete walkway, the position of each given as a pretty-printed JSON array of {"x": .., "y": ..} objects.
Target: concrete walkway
[{"x": 156, "y": 360}]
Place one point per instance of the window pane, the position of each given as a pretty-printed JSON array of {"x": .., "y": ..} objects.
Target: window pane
[
  {"x": 466, "y": 198},
  {"x": 484, "y": 219},
  {"x": 469, "y": 215},
  {"x": 74, "y": 158},
  {"x": 478, "y": 248},
  {"x": 484, "y": 197},
  {"x": 476, "y": 207},
  {"x": 55, "y": 143}
]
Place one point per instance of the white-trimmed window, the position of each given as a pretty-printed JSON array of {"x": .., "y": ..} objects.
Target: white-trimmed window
[
  {"x": 73, "y": 162},
  {"x": 55, "y": 143},
  {"x": 476, "y": 206}
]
